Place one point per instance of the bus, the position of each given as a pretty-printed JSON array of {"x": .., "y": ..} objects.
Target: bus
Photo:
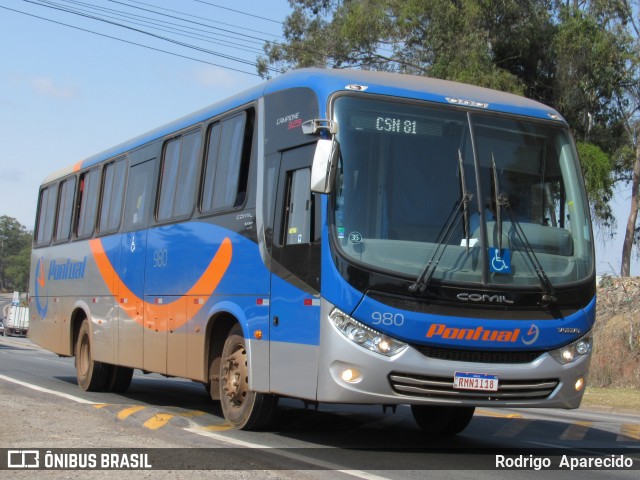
[{"x": 333, "y": 236}]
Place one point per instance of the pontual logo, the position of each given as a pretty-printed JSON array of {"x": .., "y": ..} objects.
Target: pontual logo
[
  {"x": 484, "y": 298},
  {"x": 478, "y": 334},
  {"x": 67, "y": 271}
]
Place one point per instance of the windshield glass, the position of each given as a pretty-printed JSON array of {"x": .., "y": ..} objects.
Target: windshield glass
[{"x": 398, "y": 199}]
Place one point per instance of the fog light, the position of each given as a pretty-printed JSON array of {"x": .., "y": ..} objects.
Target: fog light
[
  {"x": 350, "y": 375},
  {"x": 579, "y": 384}
]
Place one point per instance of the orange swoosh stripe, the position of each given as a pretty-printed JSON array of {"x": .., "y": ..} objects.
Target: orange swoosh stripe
[
  {"x": 157, "y": 315},
  {"x": 41, "y": 275}
]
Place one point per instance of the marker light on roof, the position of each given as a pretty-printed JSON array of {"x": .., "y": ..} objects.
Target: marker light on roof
[
  {"x": 357, "y": 88},
  {"x": 466, "y": 103}
]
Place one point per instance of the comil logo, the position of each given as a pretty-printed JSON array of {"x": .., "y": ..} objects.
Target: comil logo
[
  {"x": 23, "y": 459},
  {"x": 484, "y": 298}
]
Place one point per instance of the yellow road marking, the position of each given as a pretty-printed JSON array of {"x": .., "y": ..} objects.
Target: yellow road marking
[
  {"x": 158, "y": 420},
  {"x": 216, "y": 428},
  {"x": 127, "y": 412},
  {"x": 101, "y": 405},
  {"x": 629, "y": 431},
  {"x": 511, "y": 429},
  {"x": 193, "y": 413},
  {"x": 487, "y": 413},
  {"x": 576, "y": 431}
]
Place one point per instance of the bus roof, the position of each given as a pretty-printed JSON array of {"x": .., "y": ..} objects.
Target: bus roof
[{"x": 325, "y": 82}]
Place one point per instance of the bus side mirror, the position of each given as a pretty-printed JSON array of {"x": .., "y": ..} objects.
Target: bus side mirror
[{"x": 325, "y": 165}]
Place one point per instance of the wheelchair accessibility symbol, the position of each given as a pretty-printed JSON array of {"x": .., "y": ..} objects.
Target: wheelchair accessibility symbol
[{"x": 499, "y": 260}]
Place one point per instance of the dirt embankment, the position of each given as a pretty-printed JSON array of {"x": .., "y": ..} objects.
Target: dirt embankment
[{"x": 616, "y": 352}]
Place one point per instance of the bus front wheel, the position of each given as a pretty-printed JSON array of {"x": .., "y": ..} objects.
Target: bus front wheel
[
  {"x": 243, "y": 408},
  {"x": 444, "y": 421},
  {"x": 92, "y": 376}
]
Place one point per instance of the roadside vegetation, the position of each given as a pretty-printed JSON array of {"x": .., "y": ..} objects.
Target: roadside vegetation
[
  {"x": 15, "y": 255},
  {"x": 614, "y": 379}
]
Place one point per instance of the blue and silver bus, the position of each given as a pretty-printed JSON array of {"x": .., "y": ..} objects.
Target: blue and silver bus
[{"x": 331, "y": 236}]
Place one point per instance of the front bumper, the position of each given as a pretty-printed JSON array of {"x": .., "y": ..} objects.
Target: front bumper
[{"x": 413, "y": 378}]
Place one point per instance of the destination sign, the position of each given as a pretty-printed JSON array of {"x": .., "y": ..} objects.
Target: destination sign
[{"x": 395, "y": 124}]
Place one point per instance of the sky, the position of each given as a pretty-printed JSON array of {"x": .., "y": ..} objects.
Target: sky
[{"x": 67, "y": 93}]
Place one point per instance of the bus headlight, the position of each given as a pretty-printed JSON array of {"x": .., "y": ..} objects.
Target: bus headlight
[
  {"x": 365, "y": 336},
  {"x": 572, "y": 352}
]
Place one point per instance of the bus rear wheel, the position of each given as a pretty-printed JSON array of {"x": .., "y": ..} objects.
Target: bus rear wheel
[
  {"x": 119, "y": 379},
  {"x": 92, "y": 376},
  {"x": 242, "y": 408},
  {"x": 442, "y": 421}
]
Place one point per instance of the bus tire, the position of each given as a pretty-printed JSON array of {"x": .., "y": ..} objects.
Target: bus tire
[
  {"x": 92, "y": 376},
  {"x": 242, "y": 408},
  {"x": 442, "y": 421},
  {"x": 119, "y": 379}
]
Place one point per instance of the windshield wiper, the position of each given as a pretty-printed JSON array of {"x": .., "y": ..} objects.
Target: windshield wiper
[
  {"x": 466, "y": 198},
  {"x": 447, "y": 230},
  {"x": 499, "y": 200},
  {"x": 502, "y": 201}
]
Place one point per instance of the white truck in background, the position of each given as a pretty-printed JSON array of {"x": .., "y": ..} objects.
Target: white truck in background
[{"x": 17, "y": 322}]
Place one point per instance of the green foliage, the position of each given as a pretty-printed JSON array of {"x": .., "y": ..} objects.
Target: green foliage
[
  {"x": 596, "y": 168},
  {"x": 15, "y": 253},
  {"x": 591, "y": 71},
  {"x": 578, "y": 57}
]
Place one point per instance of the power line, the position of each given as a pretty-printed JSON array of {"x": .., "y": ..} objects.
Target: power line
[
  {"x": 214, "y": 21},
  {"x": 164, "y": 26},
  {"x": 160, "y": 37},
  {"x": 191, "y": 21},
  {"x": 237, "y": 11},
  {"x": 130, "y": 42}
]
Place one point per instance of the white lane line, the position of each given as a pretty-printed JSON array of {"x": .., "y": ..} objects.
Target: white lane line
[
  {"x": 221, "y": 438},
  {"x": 290, "y": 455},
  {"x": 47, "y": 390}
]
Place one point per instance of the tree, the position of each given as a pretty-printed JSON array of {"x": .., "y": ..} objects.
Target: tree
[
  {"x": 632, "y": 125},
  {"x": 15, "y": 247},
  {"x": 576, "y": 56},
  {"x": 420, "y": 37}
]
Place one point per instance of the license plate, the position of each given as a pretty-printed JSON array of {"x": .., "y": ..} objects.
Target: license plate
[{"x": 475, "y": 381}]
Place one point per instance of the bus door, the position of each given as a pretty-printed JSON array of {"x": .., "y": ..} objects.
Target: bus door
[
  {"x": 295, "y": 279},
  {"x": 132, "y": 336}
]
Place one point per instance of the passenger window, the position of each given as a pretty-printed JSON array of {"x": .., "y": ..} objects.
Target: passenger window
[
  {"x": 112, "y": 195},
  {"x": 227, "y": 163},
  {"x": 65, "y": 210},
  {"x": 89, "y": 191},
  {"x": 138, "y": 192},
  {"x": 298, "y": 207},
  {"x": 178, "y": 182},
  {"x": 48, "y": 199}
]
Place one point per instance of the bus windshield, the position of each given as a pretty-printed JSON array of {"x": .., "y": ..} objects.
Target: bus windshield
[{"x": 400, "y": 208}]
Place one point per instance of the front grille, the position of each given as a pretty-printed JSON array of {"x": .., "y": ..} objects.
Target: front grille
[
  {"x": 478, "y": 356},
  {"x": 442, "y": 388}
]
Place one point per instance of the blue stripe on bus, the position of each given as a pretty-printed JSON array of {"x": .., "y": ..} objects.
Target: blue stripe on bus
[{"x": 474, "y": 333}]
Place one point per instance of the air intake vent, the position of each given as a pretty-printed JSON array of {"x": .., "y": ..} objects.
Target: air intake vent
[
  {"x": 476, "y": 356},
  {"x": 442, "y": 388}
]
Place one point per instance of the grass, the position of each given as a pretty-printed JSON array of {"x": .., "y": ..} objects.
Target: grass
[{"x": 612, "y": 398}]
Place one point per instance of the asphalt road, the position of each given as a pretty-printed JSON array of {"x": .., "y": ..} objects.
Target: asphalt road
[{"x": 41, "y": 406}]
